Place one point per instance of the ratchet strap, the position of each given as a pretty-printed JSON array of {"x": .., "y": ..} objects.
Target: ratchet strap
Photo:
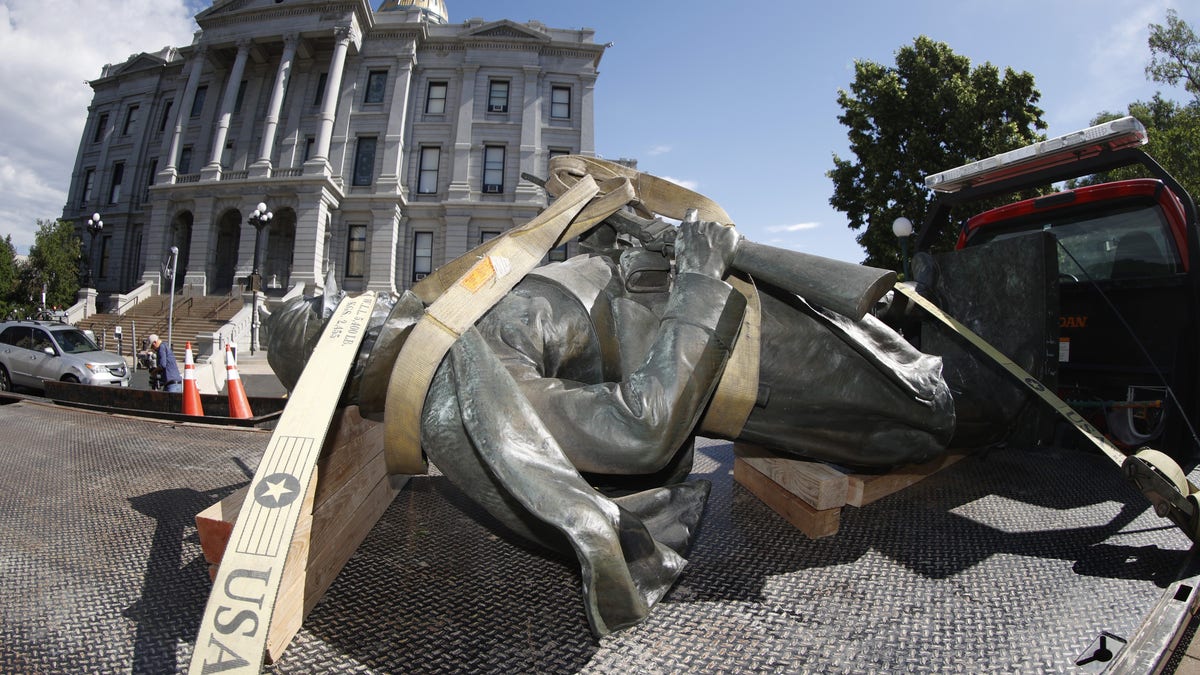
[
  {"x": 1032, "y": 383},
  {"x": 586, "y": 191},
  {"x": 1155, "y": 474}
]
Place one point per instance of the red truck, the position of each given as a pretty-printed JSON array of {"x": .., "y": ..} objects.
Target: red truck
[{"x": 1123, "y": 351}]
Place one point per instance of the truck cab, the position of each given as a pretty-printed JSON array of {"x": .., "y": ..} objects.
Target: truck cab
[{"x": 1124, "y": 355}]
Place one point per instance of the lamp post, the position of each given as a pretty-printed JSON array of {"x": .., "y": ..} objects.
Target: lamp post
[
  {"x": 903, "y": 228},
  {"x": 94, "y": 227},
  {"x": 259, "y": 218},
  {"x": 171, "y": 306}
]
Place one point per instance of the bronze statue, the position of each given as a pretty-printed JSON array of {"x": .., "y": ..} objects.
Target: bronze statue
[{"x": 569, "y": 412}]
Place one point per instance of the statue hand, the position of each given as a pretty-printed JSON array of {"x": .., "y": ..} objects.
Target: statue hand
[{"x": 705, "y": 248}]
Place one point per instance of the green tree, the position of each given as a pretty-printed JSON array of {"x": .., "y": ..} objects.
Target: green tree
[
  {"x": 54, "y": 262},
  {"x": 1175, "y": 54},
  {"x": 930, "y": 112},
  {"x": 8, "y": 276},
  {"x": 1173, "y": 135}
]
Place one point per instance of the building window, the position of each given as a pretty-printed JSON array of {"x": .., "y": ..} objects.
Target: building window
[
  {"x": 308, "y": 147},
  {"x": 435, "y": 100},
  {"x": 101, "y": 125},
  {"x": 150, "y": 179},
  {"x": 560, "y": 103},
  {"x": 497, "y": 96},
  {"x": 364, "y": 160},
  {"x": 89, "y": 183},
  {"x": 488, "y": 235},
  {"x": 118, "y": 175},
  {"x": 131, "y": 117},
  {"x": 493, "y": 169},
  {"x": 321, "y": 79},
  {"x": 105, "y": 249},
  {"x": 356, "y": 251},
  {"x": 422, "y": 255},
  {"x": 185, "y": 160},
  {"x": 166, "y": 116},
  {"x": 376, "y": 84},
  {"x": 227, "y": 156},
  {"x": 198, "y": 101},
  {"x": 558, "y": 253},
  {"x": 427, "y": 171}
]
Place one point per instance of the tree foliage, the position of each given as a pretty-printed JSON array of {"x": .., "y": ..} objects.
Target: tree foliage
[
  {"x": 9, "y": 276},
  {"x": 54, "y": 262},
  {"x": 1173, "y": 129},
  {"x": 1175, "y": 54},
  {"x": 1173, "y": 137},
  {"x": 930, "y": 112}
]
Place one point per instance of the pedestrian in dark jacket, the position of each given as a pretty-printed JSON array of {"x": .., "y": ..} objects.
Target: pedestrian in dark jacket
[{"x": 168, "y": 370}]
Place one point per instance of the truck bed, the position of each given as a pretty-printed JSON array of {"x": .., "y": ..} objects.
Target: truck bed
[{"x": 1013, "y": 559}]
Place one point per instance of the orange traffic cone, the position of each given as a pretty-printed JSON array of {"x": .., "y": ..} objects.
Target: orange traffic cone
[
  {"x": 239, "y": 406},
  {"x": 191, "y": 395}
]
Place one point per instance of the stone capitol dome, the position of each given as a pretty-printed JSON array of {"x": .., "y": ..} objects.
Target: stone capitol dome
[{"x": 435, "y": 10}]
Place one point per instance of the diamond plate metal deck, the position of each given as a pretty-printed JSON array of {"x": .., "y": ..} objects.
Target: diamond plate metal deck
[{"x": 1011, "y": 560}]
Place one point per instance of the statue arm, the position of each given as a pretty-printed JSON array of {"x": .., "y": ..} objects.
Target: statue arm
[{"x": 635, "y": 426}]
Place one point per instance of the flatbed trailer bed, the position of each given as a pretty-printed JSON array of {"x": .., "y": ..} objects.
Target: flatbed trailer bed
[{"x": 1011, "y": 560}]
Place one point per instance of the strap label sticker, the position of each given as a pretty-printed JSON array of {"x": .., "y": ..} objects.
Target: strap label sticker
[{"x": 481, "y": 273}]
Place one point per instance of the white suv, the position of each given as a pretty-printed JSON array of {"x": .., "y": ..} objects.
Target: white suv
[{"x": 32, "y": 352}]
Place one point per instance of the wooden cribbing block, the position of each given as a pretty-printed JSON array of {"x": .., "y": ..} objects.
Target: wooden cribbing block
[
  {"x": 866, "y": 488},
  {"x": 351, "y": 492},
  {"x": 809, "y": 495},
  {"x": 821, "y": 485},
  {"x": 815, "y": 523}
]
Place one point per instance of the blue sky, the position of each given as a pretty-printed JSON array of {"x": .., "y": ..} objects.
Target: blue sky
[{"x": 736, "y": 100}]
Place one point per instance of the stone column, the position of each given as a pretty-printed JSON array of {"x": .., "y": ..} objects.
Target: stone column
[
  {"x": 333, "y": 87},
  {"x": 531, "y": 136},
  {"x": 312, "y": 220},
  {"x": 213, "y": 170},
  {"x": 262, "y": 166},
  {"x": 460, "y": 177},
  {"x": 393, "y": 140},
  {"x": 587, "y": 128},
  {"x": 169, "y": 173},
  {"x": 384, "y": 242},
  {"x": 195, "y": 281},
  {"x": 455, "y": 239}
]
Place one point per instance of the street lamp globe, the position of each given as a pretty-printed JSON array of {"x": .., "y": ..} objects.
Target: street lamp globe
[{"x": 903, "y": 228}]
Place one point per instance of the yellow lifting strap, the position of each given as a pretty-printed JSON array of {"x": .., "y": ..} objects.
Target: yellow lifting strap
[{"x": 586, "y": 191}]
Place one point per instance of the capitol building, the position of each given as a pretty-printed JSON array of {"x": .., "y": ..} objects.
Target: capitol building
[{"x": 384, "y": 141}]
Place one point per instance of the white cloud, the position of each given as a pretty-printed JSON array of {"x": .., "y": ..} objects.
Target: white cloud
[
  {"x": 689, "y": 184},
  {"x": 1111, "y": 71},
  {"x": 660, "y": 149},
  {"x": 47, "y": 53},
  {"x": 798, "y": 227}
]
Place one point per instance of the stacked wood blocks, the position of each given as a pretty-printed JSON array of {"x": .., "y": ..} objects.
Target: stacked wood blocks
[
  {"x": 351, "y": 491},
  {"x": 810, "y": 495}
]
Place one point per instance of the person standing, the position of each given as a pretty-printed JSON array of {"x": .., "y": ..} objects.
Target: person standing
[{"x": 168, "y": 369}]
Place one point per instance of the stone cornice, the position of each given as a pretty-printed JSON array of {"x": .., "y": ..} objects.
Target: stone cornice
[
  {"x": 229, "y": 16},
  {"x": 584, "y": 51}
]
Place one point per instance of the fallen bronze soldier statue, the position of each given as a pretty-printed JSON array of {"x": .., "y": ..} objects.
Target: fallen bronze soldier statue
[{"x": 569, "y": 407}]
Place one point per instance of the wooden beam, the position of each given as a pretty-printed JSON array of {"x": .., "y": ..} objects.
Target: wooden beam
[
  {"x": 815, "y": 523},
  {"x": 866, "y": 488},
  {"x": 820, "y": 485},
  {"x": 351, "y": 492}
]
